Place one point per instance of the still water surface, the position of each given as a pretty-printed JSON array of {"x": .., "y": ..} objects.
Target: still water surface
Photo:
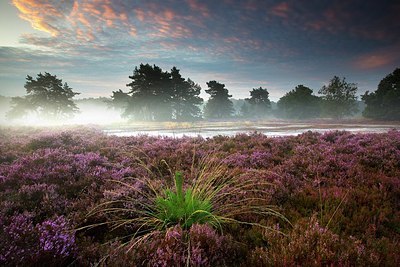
[{"x": 269, "y": 129}]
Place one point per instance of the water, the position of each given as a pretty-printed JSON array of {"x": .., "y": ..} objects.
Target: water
[{"x": 231, "y": 129}]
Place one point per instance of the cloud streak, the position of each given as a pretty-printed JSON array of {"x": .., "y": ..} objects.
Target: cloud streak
[
  {"x": 384, "y": 57},
  {"x": 269, "y": 41}
]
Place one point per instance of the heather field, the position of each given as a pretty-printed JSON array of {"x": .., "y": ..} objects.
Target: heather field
[{"x": 80, "y": 197}]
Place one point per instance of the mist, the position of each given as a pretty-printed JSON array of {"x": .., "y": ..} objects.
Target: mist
[{"x": 91, "y": 111}]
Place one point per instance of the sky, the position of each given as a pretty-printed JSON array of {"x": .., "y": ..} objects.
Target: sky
[{"x": 94, "y": 45}]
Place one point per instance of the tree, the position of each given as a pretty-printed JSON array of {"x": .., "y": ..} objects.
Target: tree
[
  {"x": 245, "y": 111},
  {"x": 339, "y": 98},
  {"x": 158, "y": 95},
  {"x": 185, "y": 97},
  {"x": 384, "y": 103},
  {"x": 299, "y": 103},
  {"x": 120, "y": 101},
  {"x": 149, "y": 97},
  {"x": 219, "y": 105},
  {"x": 259, "y": 102},
  {"x": 47, "y": 96}
]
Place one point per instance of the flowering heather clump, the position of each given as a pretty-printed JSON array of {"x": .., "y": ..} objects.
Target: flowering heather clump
[
  {"x": 199, "y": 246},
  {"x": 311, "y": 244},
  {"x": 18, "y": 240},
  {"x": 51, "y": 241},
  {"x": 215, "y": 197},
  {"x": 55, "y": 238},
  {"x": 339, "y": 190},
  {"x": 208, "y": 248}
]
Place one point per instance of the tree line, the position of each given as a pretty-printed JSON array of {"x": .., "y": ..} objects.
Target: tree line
[{"x": 157, "y": 95}]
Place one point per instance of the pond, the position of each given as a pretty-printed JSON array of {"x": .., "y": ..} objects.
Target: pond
[{"x": 278, "y": 128}]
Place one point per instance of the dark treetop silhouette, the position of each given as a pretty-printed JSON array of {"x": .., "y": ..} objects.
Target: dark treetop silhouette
[
  {"x": 47, "y": 96},
  {"x": 339, "y": 98},
  {"x": 158, "y": 95},
  {"x": 258, "y": 105},
  {"x": 299, "y": 103},
  {"x": 219, "y": 105},
  {"x": 384, "y": 103}
]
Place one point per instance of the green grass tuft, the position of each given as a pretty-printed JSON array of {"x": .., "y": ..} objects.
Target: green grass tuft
[
  {"x": 213, "y": 195},
  {"x": 183, "y": 208}
]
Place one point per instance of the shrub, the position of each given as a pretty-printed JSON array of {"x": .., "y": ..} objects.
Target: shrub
[
  {"x": 215, "y": 197},
  {"x": 350, "y": 180},
  {"x": 310, "y": 244},
  {"x": 47, "y": 243},
  {"x": 200, "y": 246}
]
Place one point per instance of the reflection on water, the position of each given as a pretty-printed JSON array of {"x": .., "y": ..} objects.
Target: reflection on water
[{"x": 278, "y": 129}]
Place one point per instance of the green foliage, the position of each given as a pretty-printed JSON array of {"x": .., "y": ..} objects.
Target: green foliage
[
  {"x": 384, "y": 103},
  {"x": 214, "y": 196},
  {"x": 158, "y": 95},
  {"x": 47, "y": 96},
  {"x": 183, "y": 208},
  {"x": 339, "y": 98},
  {"x": 259, "y": 103},
  {"x": 149, "y": 93},
  {"x": 185, "y": 97},
  {"x": 299, "y": 103},
  {"x": 21, "y": 107},
  {"x": 119, "y": 100},
  {"x": 219, "y": 105}
]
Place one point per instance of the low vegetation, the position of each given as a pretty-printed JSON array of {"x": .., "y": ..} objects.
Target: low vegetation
[{"x": 82, "y": 198}]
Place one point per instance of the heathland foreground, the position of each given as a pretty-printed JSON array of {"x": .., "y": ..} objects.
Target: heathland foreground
[{"x": 80, "y": 198}]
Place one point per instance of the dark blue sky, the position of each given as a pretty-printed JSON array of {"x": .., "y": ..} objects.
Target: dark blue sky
[{"x": 94, "y": 45}]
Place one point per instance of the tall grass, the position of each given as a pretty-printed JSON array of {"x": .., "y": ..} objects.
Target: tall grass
[
  {"x": 213, "y": 195},
  {"x": 183, "y": 208}
]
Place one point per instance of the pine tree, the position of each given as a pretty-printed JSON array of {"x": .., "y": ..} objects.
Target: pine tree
[
  {"x": 219, "y": 105},
  {"x": 47, "y": 96},
  {"x": 185, "y": 97},
  {"x": 260, "y": 105}
]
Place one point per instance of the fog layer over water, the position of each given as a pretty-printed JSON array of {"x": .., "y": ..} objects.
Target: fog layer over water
[
  {"x": 274, "y": 128},
  {"x": 96, "y": 112}
]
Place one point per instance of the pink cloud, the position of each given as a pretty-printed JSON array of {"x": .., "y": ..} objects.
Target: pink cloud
[
  {"x": 163, "y": 23},
  {"x": 169, "y": 14},
  {"x": 139, "y": 14},
  {"x": 199, "y": 7},
  {"x": 39, "y": 14},
  {"x": 251, "y": 5},
  {"x": 281, "y": 10},
  {"x": 378, "y": 59},
  {"x": 84, "y": 20},
  {"x": 373, "y": 61}
]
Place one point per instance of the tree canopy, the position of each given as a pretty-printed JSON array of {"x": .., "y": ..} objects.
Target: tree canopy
[
  {"x": 185, "y": 97},
  {"x": 384, "y": 103},
  {"x": 158, "y": 95},
  {"x": 47, "y": 96},
  {"x": 219, "y": 105},
  {"x": 299, "y": 103},
  {"x": 259, "y": 103},
  {"x": 339, "y": 98},
  {"x": 150, "y": 94}
]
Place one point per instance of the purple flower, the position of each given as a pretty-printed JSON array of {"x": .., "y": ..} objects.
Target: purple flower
[{"x": 56, "y": 238}]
